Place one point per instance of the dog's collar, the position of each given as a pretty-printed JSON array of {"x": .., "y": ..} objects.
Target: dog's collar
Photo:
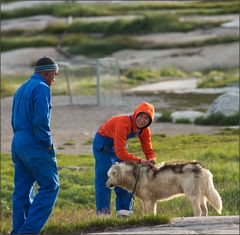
[{"x": 137, "y": 178}]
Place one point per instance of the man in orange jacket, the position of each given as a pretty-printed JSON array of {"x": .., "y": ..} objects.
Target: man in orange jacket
[{"x": 109, "y": 146}]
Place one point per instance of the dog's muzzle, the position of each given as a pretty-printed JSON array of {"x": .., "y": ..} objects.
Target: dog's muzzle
[{"x": 110, "y": 184}]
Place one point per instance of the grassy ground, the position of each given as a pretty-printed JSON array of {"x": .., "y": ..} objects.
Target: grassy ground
[
  {"x": 80, "y": 37},
  {"x": 83, "y": 81},
  {"x": 75, "y": 211},
  {"x": 77, "y": 38},
  {"x": 218, "y": 78},
  {"x": 79, "y": 43},
  {"x": 80, "y": 10}
]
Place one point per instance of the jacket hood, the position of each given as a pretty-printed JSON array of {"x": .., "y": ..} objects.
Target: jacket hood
[{"x": 144, "y": 107}]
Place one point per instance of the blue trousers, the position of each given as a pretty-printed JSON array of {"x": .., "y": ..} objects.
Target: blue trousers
[
  {"x": 105, "y": 157},
  {"x": 33, "y": 164}
]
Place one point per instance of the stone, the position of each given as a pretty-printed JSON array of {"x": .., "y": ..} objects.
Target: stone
[
  {"x": 186, "y": 115},
  {"x": 226, "y": 104}
]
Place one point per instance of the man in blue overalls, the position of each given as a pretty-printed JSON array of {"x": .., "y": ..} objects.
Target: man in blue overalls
[
  {"x": 33, "y": 152},
  {"x": 109, "y": 146}
]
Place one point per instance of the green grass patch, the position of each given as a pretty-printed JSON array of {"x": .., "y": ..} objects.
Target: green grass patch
[
  {"x": 75, "y": 206},
  {"x": 148, "y": 74},
  {"x": 213, "y": 41},
  {"x": 219, "y": 120},
  {"x": 219, "y": 78},
  {"x": 84, "y": 44},
  {"x": 8, "y": 1},
  {"x": 10, "y": 83},
  {"x": 70, "y": 142},
  {"x": 61, "y": 147},
  {"x": 83, "y": 82},
  {"x": 101, "y": 47},
  {"x": 229, "y": 131},
  {"x": 136, "y": 76},
  {"x": 149, "y": 23},
  {"x": 80, "y": 84},
  {"x": 23, "y": 42},
  {"x": 183, "y": 121},
  {"x": 165, "y": 117},
  {"x": 81, "y": 10}
]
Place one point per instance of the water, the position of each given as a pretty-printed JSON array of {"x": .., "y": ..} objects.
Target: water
[
  {"x": 181, "y": 87},
  {"x": 232, "y": 24}
]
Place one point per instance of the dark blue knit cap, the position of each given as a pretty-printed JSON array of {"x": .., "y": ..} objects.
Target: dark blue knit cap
[{"x": 46, "y": 63}]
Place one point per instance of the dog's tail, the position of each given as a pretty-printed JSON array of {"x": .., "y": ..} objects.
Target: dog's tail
[{"x": 213, "y": 196}]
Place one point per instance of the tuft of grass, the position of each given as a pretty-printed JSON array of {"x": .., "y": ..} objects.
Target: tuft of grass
[
  {"x": 88, "y": 142},
  {"x": 10, "y": 83},
  {"x": 102, "y": 47},
  {"x": 136, "y": 76},
  {"x": 183, "y": 121},
  {"x": 70, "y": 142},
  {"x": 219, "y": 78},
  {"x": 61, "y": 147},
  {"x": 229, "y": 131},
  {"x": 219, "y": 120},
  {"x": 7, "y": 1},
  {"x": 22, "y": 42},
  {"x": 166, "y": 117}
]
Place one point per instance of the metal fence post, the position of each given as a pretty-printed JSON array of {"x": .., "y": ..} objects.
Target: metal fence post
[
  {"x": 98, "y": 82},
  {"x": 68, "y": 85},
  {"x": 117, "y": 72}
]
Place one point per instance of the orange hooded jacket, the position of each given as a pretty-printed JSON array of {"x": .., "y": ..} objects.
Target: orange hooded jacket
[{"x": 119, "y": 127}]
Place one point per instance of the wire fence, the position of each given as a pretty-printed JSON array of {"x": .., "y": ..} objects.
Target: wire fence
[{"x": 97, "y": 81}]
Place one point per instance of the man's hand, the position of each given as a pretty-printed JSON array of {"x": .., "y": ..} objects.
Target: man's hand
[{"x": 150, "y": 164}]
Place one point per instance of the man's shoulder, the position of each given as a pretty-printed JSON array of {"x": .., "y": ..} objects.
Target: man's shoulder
[
  {"x": 121, "y": 118},
  {"x": 34, "y": 87},
  {"x": 123, "y": 121},
  {"x": 38, "y": 84}
]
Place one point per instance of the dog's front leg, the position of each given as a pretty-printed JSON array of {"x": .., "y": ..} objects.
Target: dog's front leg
[{"x": 149, "y": 207}]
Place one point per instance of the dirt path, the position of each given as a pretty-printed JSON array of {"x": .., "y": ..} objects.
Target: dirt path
[{"x": 78, "y": 123}]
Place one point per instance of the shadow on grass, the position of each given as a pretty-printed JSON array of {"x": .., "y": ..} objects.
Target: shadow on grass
[{"x": 109, "y": 224}]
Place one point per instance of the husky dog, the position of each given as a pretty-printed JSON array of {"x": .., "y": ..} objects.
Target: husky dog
[{"x": 171, "y": 180}]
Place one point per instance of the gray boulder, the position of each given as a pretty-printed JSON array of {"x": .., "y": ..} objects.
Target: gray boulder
[
  {"x": 226, "y": 104},
  {"x": 186, "y": 115}
]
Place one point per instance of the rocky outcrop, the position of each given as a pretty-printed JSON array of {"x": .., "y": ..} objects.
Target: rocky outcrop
[{"x": 226, "y": 105}]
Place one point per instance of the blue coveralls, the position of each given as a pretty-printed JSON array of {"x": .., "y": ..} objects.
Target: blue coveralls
[
  {"x": 33, "y": 161},
  {"x": 105, "y": 157}
]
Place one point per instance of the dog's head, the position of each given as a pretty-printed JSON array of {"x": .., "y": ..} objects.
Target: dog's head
[
  {"x": 114, "y": 175},
  {"x": 119, "y": 174}
]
